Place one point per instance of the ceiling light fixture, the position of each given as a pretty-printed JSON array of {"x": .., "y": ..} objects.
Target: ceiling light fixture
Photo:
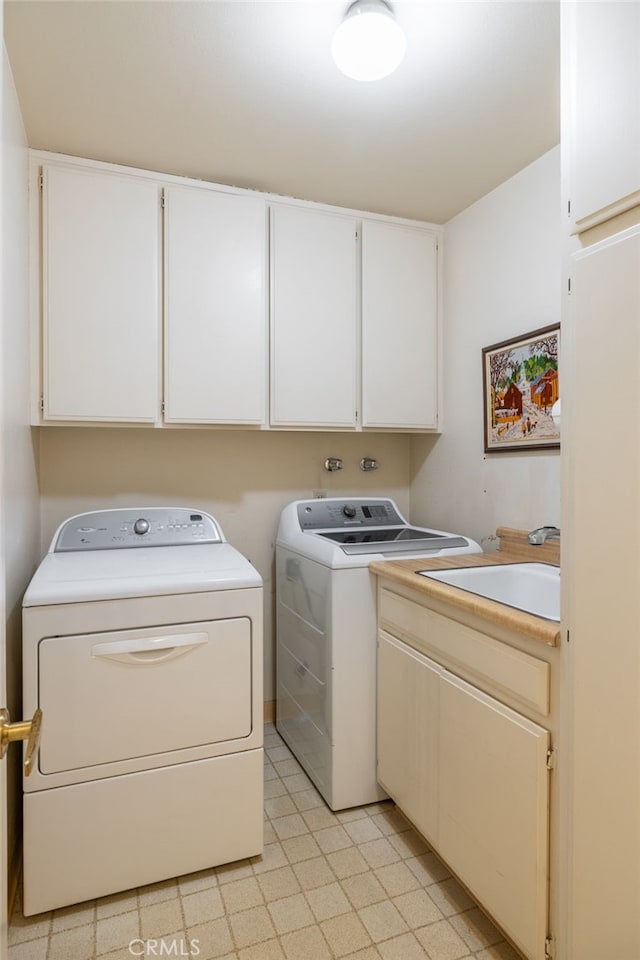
[{"x": 369, "y": 44}]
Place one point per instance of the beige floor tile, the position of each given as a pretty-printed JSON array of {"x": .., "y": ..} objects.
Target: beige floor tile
[
  {"x": 391, "y": 821},
  {"x": 417, "y": 908},
  {"x": 301, "y": 848},
  {"x": 31, "y": 950},
  {"x": 442, "y": 942},
  {"x": 408, "y": 844},
  {"x": 476, "y": 929},
  {"x": 273, "y": 856},
  {"x": 267, "y": 950},
  {"x": 320, "y": 817},
  {"x": 296, "y": 782},
  {"x": 428, "y": 869},
  {"x": 195, "y": 882},
  {"x": 328, "y": 901},
  {"x": 274, "y": 788},
  {"x": 369, "y": 953},
  {"x": 118, "y": 931},
  {"x": 278, "y": 753},
  {"x": 499, "y": 951},
  {"x": 383, "y": 921},
  {"x": 279, "y": 806},
  {"x": 364, "y": 889},
  {"x": 160, "y": 918},
  {"x": 290, "y": 913},
  {"x": 345, "y": 934},
  {"x": 379, "y": 807},
  {"x": 404, "y": 947},
  {"x": 241, "y": 895},
  {"x": 213, "y": 939},
  {"x": 355, "y": 813},
  {"x": 278, "y": 884},
  {"x": 362, "y": 830},
  {"x": 203, "y": 906},
  {"x": 77, "y": 915},
  {"x": 29, "y": 928},
  {"x": 157, "y": 892},
  {"x": 450, "y": 897},
  {"x": 313, "y": 873},
  {"x": 307, "y": 944},
  {"x": 75, "y": 944},
  {"x": 347, "y": 863},
  {"x": 268, "y": 833},
  {"x": 238, "y": 870},
  {"x": 333, "y": 838},
  {"x": 291, "y": 826},
  {"x": 117, "y": 903},
  {"x": 307, "y": 799},
  {"x": 287, "y": 768},
  {"x": 378, "y": 853},
  {"x": 251, "y": 926},
  {"x": 270, "y": 772},
  {"x": 396, "y": 878}
]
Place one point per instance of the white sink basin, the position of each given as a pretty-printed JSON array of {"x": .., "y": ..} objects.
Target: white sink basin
[{"x": 533, "y": 587}]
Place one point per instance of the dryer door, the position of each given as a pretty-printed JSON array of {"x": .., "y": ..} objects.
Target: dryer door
[{"x": 128, "y": 694}]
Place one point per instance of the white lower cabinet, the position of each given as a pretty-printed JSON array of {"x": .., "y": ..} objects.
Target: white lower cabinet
[
  {"x": 408, "y": 694},
  {"x": 471, "y": 774},
  {"x": 494, "y": 808}
]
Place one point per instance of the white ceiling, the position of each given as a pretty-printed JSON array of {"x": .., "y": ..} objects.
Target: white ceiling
[{"x": 245, "y": 92}]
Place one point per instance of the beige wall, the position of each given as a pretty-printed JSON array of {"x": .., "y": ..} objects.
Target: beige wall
[
  {"x": 502, "y": 269},
  {"x": 242, "y": 478},
  {"x": 19, "y": 510}
]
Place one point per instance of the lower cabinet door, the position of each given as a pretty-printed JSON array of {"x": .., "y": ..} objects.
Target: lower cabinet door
[
  {"x": 408, "y": 685},
  {"x": 494, "y": 809}
]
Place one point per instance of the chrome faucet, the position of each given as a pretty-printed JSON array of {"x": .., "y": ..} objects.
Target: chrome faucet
[{"x": 541, "y": 534}]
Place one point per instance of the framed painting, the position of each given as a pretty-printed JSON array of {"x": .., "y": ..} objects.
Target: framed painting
[{"x": 520, "y": 387}]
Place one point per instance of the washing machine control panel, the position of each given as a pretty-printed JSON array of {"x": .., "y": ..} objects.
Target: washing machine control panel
[
  {"x": 336, "y": 514},
  {"x": 136, "y": 527}
]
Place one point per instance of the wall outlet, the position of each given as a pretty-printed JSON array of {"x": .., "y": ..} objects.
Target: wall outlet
[{"x": 319, "y": 494}]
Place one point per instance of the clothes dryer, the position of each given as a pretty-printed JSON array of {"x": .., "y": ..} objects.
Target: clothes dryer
[{"x": 143, "y": 648}]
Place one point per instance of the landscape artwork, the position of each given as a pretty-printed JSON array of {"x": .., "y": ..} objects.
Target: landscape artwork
[{"x": 520, "y": 379}]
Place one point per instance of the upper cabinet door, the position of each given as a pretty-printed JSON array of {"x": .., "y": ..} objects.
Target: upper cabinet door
[
  {"x": 399, "y": 326},
  {"x": 216, "y": 307},
  {"x": 101, "y": 303},
  {"x": 601, "y": 44},
  {"x": 314, "y": 318}
]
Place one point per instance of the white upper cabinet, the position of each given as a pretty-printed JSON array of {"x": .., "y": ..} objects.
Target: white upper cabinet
[
  {"x": 100, "y": 296},
  {"x": 215, "y": 307},
  {"x": 313, "y": 318},
  {"x": 399, "y": 326},
  {"x": 601, "y": 48}
]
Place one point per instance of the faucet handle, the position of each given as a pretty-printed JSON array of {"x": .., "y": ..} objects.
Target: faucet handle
[{"x": 541, "y": 534}]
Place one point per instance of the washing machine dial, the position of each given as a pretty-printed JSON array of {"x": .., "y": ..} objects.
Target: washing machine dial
[
  {"x": 141, "y": 526},
  {"x": 349, "y": 510}
]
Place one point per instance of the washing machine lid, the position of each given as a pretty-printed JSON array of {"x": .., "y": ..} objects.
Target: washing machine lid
[{"x": 138, "y": 552}]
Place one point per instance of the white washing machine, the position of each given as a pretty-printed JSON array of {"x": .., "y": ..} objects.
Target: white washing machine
[
  {"x": 143, "y": 648},
  {"x": 326, "y": 633}
]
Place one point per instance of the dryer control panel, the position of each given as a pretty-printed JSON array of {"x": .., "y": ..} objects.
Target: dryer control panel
[{"x": 136, "y": 527}]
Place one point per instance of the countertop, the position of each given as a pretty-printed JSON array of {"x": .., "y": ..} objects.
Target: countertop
[{"x": 405, "y": 572}]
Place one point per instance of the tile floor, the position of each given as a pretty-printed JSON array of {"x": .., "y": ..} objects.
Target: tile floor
[{"x": 356, "y": 885}]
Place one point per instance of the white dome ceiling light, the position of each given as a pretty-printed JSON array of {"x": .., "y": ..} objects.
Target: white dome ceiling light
[{"x": 369, "y": 44}]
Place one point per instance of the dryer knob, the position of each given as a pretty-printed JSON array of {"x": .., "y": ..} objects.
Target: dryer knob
[
  {"x": 141, "y": 526},
  {"x": 349, "y": 510}
]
